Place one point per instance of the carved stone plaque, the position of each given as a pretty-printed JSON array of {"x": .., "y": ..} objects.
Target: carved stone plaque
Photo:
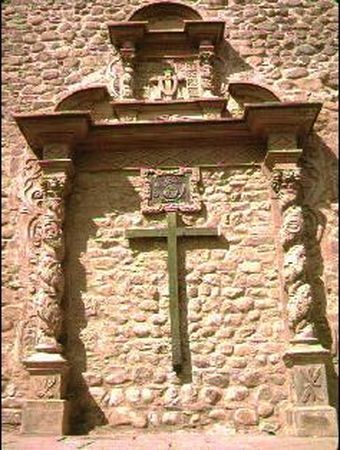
[
  {"x": 310, "y": 385},
  {"x": 175, "y": 190}
]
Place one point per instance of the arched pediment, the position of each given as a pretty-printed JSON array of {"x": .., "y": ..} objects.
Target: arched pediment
[
  {"x": 165, "y": 15},
  {"x": 94, "y": 98},
  {"x": 251, "y": 93},
  {"x": 248, "y": 93}
]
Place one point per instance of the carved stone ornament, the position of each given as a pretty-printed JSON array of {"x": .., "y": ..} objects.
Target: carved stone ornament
[
  {"x": 207, "y": 56},
  {"x": 49, "y": 296},
  {"x": 310, "y": 383},
  {"x": 166, "y": 86},
  {"x": 287, "y": 185},
  {"x": 175, "y": 190},
  {"x": 46, "y": 386}
]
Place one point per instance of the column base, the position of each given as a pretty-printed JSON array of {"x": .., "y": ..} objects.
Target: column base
[
  {"x": 45, "y": 417},
  {"x": 312, "y": 421}
]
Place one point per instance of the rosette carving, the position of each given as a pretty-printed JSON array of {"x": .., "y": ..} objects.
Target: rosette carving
[
  {"x": 287, "y": 185},
  {"x": 50, "y": 294}
]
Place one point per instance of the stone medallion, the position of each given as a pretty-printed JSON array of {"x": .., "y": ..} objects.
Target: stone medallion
[{"x": 170, "y": 190}]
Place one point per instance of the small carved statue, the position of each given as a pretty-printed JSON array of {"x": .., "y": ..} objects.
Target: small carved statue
[{"x": 166, "y": 85}]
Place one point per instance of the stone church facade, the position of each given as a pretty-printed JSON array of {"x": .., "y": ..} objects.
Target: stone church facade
[{"x": 170, "y": 216}]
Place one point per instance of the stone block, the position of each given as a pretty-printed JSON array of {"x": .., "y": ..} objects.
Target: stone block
[
  {"x": 317, "y": 421},
  {"x": 45, "y": 417}
]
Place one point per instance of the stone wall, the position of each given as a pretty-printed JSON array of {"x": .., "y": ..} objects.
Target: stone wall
[
  {"x": 52, "y": 47},
  {"x": 118, "y": 323}
]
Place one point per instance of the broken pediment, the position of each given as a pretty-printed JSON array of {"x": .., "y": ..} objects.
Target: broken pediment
[
  {"x": 168, "y": 66},
  {"x": 165, "y": 16}
]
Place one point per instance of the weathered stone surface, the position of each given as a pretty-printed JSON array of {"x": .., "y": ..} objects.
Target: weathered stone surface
[
  {"x": 211, "y": 395},
  {"x": 236, "y": 393},
  {"x": 119, "y": 337},
  {"x": 171, "y": 418},
  {"x": 245, "y": 416},
  {"x": 265, "y": 409},
  {"x": 117, "y": 375}
]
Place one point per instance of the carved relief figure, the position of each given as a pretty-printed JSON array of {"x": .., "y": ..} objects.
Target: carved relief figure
[{"x": 166, "y": 86}]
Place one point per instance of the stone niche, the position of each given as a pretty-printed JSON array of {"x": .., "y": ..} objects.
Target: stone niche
[{"x": 173, "y": 289}]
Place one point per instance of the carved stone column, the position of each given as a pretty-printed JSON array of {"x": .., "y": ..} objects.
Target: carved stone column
[
  {"x": 310, "y": 413},
  {"x": 126, "y": 83},
  {"x": 206, "y": 57},
  {"x": 47, "y": 411}
]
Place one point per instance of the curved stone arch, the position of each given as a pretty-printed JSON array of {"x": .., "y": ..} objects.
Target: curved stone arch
[
  {"x": 248, "y": 92},
  {"x": 169, "y": 14}
]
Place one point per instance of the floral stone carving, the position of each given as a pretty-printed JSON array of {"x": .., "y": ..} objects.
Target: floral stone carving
[
  {"x": 50, "y": 293},
  {"x": 287, "y": 185}
]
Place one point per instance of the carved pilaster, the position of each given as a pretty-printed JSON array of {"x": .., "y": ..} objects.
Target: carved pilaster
[
  {"x": 305, "y": 356},
  {"x": 56, "y": 186},
  {"x": 286, "y": 183},
  {"x": 126, "y": 84},
  {"x": 207, "y": 57},
  {"x": 47, "y": 367}
]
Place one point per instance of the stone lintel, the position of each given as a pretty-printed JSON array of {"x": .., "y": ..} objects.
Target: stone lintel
[
  {"x": 200, "y": 30},
  {"x": 281, "y": 118},
  {"x": 45, "y": 417},
  {"x": 138, "y": 34},
  {"x": 46, "y": 130},
  {"x": 78, "y": 127},
  {"x": 123, "y": 32}
]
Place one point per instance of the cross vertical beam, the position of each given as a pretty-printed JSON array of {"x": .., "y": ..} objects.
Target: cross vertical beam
[
  {"x": 172, "y": 233},
  {"x": 173, "y": 291}
]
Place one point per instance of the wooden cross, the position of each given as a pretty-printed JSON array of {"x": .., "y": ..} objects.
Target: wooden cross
[{"x": 172, "y": 233}]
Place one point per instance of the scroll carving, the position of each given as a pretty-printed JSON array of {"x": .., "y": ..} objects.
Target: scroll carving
[
  {"x": 31, "y": 211},
  {"x": 49, "y": 296},
  {"x": 287, "y": 185}
]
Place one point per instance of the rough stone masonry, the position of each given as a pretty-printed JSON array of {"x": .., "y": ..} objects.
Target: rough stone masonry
[{"x": 115, "y": 322}]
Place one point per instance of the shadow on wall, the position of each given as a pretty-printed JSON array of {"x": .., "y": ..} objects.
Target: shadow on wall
[
  {"x": 320, "y": 186},
  {"x": 80, "y": 227}
]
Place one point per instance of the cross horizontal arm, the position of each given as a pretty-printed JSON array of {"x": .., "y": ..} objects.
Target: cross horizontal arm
[
  {"x": 197, "y": 232},
  {"x": 135, "y": 233}
]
